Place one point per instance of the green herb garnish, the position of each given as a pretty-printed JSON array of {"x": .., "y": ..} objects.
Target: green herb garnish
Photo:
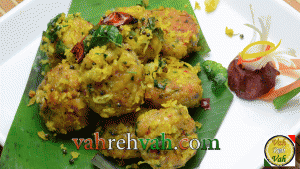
[
  {"x": 215, "y": 72},
  {"x": 52, "y": 29},
  {"x": 53, "y": 21},
  {"x": 60, "y": 49},
  {"x": 144, "y": 3},
  {"x": 156, "y": 31}
]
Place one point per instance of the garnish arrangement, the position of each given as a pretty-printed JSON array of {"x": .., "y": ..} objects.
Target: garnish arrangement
[{"x": 252, "y": 74}]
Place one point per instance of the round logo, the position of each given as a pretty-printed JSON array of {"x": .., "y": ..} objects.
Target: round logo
[{"x": 279, "y": 150}]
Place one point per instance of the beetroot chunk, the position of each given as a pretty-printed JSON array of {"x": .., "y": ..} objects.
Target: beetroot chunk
[{"x": 248, "y": 84}]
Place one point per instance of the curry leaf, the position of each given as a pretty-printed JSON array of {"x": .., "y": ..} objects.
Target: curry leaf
[
  {"x": 53, "y": 21},
  {"x": 144, "y": 3},
  {"x": 101, "y": 36},
  {"x": 159, "y": 33},
  {"x": 60, "y": 49},
  {"x": 151, "y": 23}
]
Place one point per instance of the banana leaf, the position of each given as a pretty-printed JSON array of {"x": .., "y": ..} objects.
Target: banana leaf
[{"x": 23, "y": 147}]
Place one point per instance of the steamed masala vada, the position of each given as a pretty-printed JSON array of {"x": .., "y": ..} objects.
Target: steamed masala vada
[
  {"x": 62, "y": 104},
  {"x": 180, "y": 31},
  {"x": 170, "y": 79},
  {"x": 118, "y": 129},
  {"x": 113, "y": 76},
  {"x": 175, "y": 122}
]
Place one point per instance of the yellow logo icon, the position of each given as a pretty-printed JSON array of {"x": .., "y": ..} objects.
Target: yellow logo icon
[{"x": 279, "y": 150}]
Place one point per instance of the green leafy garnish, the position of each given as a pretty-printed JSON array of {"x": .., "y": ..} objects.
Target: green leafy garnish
[
  {"x": 53, "y": 21},
  {"x": 280, "y": 101},
  {"x": 144, "y": 3},
  {"x": 101, "y": 36},
  {"x": 52, "y": 29},
  {"x": 215, "y": 72},
  {"x": 151, "y": 23},
  {"x": 60, "y": 49},
  {"x": 158, "y": 32}
]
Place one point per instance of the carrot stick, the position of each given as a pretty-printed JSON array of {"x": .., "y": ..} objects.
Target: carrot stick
[
  {"x": 285, "y": 67},
  {"x": 290, "y": 73},
  {"x": 281, "y": 91}
]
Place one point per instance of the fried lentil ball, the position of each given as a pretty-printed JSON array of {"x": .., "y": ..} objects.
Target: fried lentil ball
[
  {"x": 175, "y": 122},
  {"x": 170, "y": 79},
  {"x": 62, "y": 105},
  {"x": 118, "y": 129},
  {"x": 62, "y": 34},
  {"x": 114, "y": 78},
  {"x": 181, "y": 31}
]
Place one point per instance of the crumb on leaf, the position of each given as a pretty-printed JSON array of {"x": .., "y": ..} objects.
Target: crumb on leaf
[
  {"x": 63, "y": 147},
  {"x": 198, "y": 125},
  {"x": 74, "y": 154},
  {"x": 42, "y": 135},
  {"x": 31, "y": 93}
]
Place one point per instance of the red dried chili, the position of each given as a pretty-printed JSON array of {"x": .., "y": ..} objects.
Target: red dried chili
[
  {"x": 78, "y": 51},
  {"x": 118, "y": 19}
]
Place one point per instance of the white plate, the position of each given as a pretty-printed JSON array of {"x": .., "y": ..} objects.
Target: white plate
[{"x": 247, "y": 125}]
